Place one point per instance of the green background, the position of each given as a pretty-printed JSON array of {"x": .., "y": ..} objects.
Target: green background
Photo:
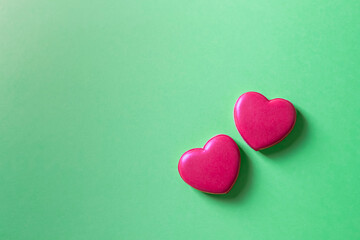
[{"x": 99, "y": 99}]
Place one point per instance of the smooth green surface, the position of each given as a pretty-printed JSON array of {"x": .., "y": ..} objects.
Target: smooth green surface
[{"x": 98, "y": 100}]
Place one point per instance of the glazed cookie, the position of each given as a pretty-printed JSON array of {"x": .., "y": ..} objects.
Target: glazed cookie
[
  {"x": 261, "y": 122},
  {"x": 213, "y": 168}
]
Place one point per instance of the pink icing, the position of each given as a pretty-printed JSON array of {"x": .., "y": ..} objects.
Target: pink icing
[
  {"x": 213, "y": 168},
  {"x": 261, "y": 122}
]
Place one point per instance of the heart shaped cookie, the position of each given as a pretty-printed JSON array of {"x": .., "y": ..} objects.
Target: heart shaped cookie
[
  {"x": 213, "y": 168},
  {"x": 261, "y": 122}
]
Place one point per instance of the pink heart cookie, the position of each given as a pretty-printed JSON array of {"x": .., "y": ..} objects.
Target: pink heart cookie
[
  {"x": 262, "y": 122},
  {"x": 213, "y": 168}
]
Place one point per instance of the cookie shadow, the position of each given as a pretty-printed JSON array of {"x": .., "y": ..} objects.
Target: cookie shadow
[
  {"x": 294, "y": 138},
  {"x": 242, "y": 183}
]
